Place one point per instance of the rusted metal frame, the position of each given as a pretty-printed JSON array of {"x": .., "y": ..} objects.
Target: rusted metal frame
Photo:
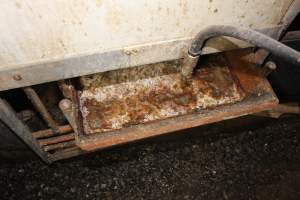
[
  {"x": 104, "y": 140},
  {"x": 77, "y": 117},
  {"x": 280, "y": 109},
  {"x": 41, "y": 108},
  {"x": 70, "y": 67},
  {"x": 49, "y": 132},
  {"x": 67, "y": 153},
  {"x": 167, "y": 95},
  {"x": 56, "y": 139},
  {"x": 66, "y": 105},
  {"x": 259, "y": 97},
  {"x": 213, "y": 82},
  {"x": 9, "y": 117},
  {"x": 62, "y": 145},
  {"x": 69, "y": 105}
]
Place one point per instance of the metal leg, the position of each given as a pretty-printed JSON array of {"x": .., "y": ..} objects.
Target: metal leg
[{"x": 9, "y": 117}]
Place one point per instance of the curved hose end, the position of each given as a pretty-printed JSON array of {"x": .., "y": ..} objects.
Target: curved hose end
[{"x": 188, "y": 65}]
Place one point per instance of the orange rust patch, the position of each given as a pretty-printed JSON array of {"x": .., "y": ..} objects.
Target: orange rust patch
[
  {"x": 144, "y": 99},
  {"x": 116, "y": 104}
]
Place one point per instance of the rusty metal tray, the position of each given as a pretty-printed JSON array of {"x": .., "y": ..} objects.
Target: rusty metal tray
[{"x": 131, "y": 104}]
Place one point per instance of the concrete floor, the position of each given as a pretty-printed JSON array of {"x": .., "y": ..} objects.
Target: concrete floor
[{"x": 237, "y": 159}]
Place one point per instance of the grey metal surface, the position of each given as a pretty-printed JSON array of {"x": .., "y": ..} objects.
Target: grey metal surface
[
  {"x": 9, "y": 117},
  {"x": 55, "y": 40},
  {"x": 70, "y": 67}
]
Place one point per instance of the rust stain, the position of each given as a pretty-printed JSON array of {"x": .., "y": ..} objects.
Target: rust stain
[
  {"x": 249, "y": 76},
  {"x": 258, "y": 96},
  {"x": 108, "y": 139},
  {"x": 118, "y": 99}
]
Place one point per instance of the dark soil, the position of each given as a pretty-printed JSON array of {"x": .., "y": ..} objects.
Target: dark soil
[{"x": 237, "y": 161}]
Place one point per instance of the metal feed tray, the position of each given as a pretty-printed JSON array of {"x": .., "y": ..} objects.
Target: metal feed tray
[{"x": 121, "y": 106}]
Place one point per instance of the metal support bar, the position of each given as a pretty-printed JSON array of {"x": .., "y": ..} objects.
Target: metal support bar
[
  {"x": 38, "y": 104},
  {"x": 67, "y": 153},
  {"x": 62, "y": 145},
  {"x": 57, "y": 139},
  {"x": 280, "y": 109},
  {"x": 9, "y": 117},
  {"x": 49, "y": 132}
]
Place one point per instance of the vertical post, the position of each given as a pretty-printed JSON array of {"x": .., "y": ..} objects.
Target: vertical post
[{"x": 9, "y": 117}]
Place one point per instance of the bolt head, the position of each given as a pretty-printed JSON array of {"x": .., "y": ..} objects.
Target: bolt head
[{"x": 17, "y": 77}]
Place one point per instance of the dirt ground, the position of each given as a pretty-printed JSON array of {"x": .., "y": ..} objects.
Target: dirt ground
[{"x": 230, "y": 160}]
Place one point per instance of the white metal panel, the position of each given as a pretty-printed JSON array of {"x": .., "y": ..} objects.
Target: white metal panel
[{"x": 41, "y": 30}]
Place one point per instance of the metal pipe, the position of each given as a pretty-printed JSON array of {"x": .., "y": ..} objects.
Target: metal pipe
[
  {"x": 38, "y": 104},
  {"x": 62, "y": 145},
  {"x": 248, "y": 35},
  {"x": 57, "y": 139},
  {"x": 67, "y": 153},
  {"x": 188, "y": 65},
  {"x": 49, "y": 132}
]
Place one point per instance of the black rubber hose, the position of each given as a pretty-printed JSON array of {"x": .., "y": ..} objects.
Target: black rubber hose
[{"x": 253, "y": 37}]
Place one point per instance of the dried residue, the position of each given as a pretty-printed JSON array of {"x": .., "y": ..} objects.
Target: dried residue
[{"x": 118, "y": 99}]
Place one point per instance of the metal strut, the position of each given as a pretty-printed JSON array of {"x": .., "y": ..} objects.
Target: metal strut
[{"x": 9, "y": 117}]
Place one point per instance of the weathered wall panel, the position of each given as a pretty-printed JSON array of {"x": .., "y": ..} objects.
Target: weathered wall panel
[{"x": 36, "y": 30}]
